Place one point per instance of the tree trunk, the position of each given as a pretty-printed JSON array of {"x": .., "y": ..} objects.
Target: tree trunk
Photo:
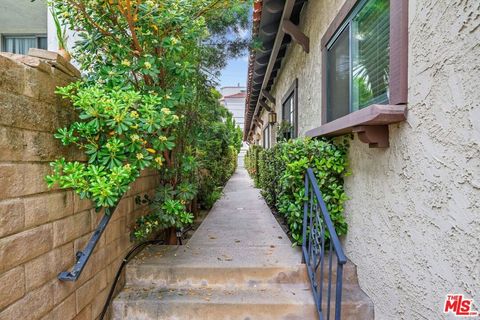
[
  {"x": 171, "y": 236},
  {"x": 195, "y": 207}
]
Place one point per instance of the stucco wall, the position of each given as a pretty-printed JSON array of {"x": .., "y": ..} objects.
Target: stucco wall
[
  {"x": 23, "y": 16},
  {"x": 414, "y": 208},
  {"x": 42, "y": 229},
  {"x": 306, "y": 67},
  {"x": 423, "y": 193}
]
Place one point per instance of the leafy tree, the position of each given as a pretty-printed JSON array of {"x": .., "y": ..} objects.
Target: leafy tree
[{"x": 147, "y": 98}]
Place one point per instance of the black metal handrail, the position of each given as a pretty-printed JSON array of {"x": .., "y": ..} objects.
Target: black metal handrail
[
  {"x": 83, "y": 256},
  {"x": 320, "y": 239}
]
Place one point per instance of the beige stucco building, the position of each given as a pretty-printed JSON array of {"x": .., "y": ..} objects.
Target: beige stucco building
[
  {"x": 23, "y": 25},
  {"x": 414, "y": 208}
]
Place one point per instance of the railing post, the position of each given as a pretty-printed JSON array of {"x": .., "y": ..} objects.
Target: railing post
[
  {"x": 338, "y": 292},
  {"x": 305, "y": 218}
]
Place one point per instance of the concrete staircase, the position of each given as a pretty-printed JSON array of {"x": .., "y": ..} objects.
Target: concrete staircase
[
  {"x": 239, "y": 264},
  {"x": 206, "y": 283}
]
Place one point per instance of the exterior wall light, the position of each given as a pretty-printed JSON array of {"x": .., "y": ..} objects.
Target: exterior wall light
[{"x": 272, "y": 118}]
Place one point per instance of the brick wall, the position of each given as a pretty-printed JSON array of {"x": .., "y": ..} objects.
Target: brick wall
[{"x": 41, "y": 229}]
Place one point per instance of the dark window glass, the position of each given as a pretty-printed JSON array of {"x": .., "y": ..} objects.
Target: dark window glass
[
  {"x": 289, "y": 116},
  {"x": 22, "y": 43},
  {"x": 338, "y": 78},
  {"x": 358, "y": 60},
  {"x": 370, "y": 54},
  {"x": 266, "y": 137},
  {"x": 42, "y": 43}
]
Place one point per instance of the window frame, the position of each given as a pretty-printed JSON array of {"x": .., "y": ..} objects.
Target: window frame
[
  {"x": 398, "y": 64},
  {"x": 266, "y": 132},
  {"x": 292, "y": 92},
  {"x": 37, "y": 36}
]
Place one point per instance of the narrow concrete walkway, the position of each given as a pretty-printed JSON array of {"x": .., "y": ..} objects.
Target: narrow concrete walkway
[
  {"x": 239, "y": 230},
  {"x": 241, "y": 227},
  {"x": 239, "y": 264}
]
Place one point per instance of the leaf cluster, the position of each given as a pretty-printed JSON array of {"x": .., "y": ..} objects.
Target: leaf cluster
[
  {"x": 168, "y": 209},
  {"x": 147, "y": 100},
  {"x": 280, "y": 171},
  {"x": 121, "y": 132}
]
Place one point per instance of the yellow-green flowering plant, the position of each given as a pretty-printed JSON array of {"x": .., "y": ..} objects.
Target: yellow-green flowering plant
[
  {"x": 147, "y": 97},
  {"x": 121, "y": 133}
]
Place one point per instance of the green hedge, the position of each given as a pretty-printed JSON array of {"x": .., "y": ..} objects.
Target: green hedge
[
  {"x": 251, "y": 162},
  {"x": 279, "y": 172}
]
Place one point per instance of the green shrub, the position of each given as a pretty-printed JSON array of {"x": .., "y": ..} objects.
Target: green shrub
[
  {"x": 168, "y": 210},
  {"x": 121, "y": 133},
  {"x": 211, "y": 198},
  {"x": 281, "y": 172},
  {"x": 251, "y": 162},
  {"x": 217, "y": 150},
  {"x": 147, "y": 100},
  {"x": 270, "y": 164}
]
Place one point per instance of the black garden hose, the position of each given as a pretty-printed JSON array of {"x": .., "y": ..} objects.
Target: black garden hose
[{"x": 130, "y": 255}]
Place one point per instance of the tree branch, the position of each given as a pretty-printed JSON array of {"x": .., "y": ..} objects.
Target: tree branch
[{"x": 83, "y": 11}]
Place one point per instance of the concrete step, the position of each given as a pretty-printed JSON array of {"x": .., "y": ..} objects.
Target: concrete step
[
  {"x": 217, "y": 256},
  {"x": 214, "y": 304},
  {"x": 214, "y": 277},
  {"x": 276, "y": 302},
  {"x": 356, "y": 305},
  {"x": 215, "y": 266},
  {"x": 179, "y": 267},
  {"x": 349, "y": 273},
  {"x": 239, "y": 264}
]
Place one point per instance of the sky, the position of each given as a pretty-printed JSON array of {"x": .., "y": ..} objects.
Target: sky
[
  {"x": 235, "y": 73},
  {"x": 236, "y": 70}
]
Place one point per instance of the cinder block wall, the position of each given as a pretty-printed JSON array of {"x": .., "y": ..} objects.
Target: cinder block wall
[{"x": 41, "y": 229}]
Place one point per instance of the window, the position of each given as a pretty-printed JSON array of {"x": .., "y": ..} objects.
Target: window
[
  {"x": 266, "y": 137},
  {"x": 20, "y": 44},
  {"x": 289, "y": 113},
  {"x": 358, "y": 60},
  {"x": 365, "y": 71}
]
